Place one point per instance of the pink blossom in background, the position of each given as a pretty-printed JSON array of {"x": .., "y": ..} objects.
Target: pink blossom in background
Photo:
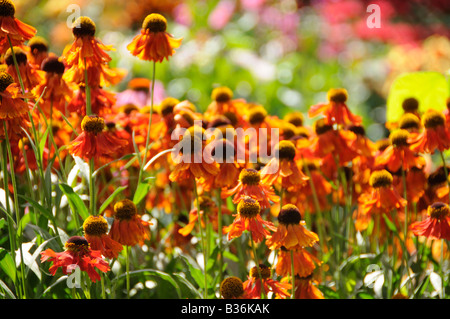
[
  {"x": 221, "y": 14},
  {"x": 182, "y": 14},
  {"x": 252, "y": 5},
  {"x": 140, "y": 98}
]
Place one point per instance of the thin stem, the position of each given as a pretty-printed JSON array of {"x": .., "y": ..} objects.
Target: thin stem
[
  {"x": 292, "y": 275},
  {"x": 127, "y": 267},
  {"x": 219, "y": 233},
  {"x": 255, "y": 255},
  {"x": 205, "y": 296},
  {"x": 147, "y": 141},
  {"x": 445, "y": 172}
]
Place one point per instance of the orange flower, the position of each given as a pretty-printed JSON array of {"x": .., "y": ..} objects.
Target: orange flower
[
  {"x": 304, "y": 262},
  {"x": 284, "y": 168},
  {"x": 94, "y": 142},
  {"x": 435, "y": 135},
  {"x": 398, "y": 154},
  {"x": 248, "y": 218},
  {"x": 254, "y": 284},
  {"x": 154, "y": 43},
  {"x": 77, "y": 253},
  {"x": 336, "y": 110},
  {"x": 223, "y": 103},
  {"x": 31, "y": 76},
  {"x": 250, "y": 184},
  {"x": 128, "y": 228},
  {"x": 194, "y": 165},
  {"x": 382, "y": 198},
  {"x": 53, "y": 90},
  {"x": 306, "y": 288},
  {"x": 88, "y": 54},
  {"x": 38, "y": 47},
  {"x": 96, "y": 233},
  {"x": 291, "y": 232},
  {"x": 336, "y": 143},
  {"x": 436, "y": 225},
  {"x": 101, "y": 101},
  {"x": 17, "y": 31},
  {"x": 208, "y": 209},
  {"x": 12, "y": 104}
]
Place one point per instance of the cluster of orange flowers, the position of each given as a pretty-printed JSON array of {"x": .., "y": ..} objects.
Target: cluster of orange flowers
[{"x": 299, "y": 180}]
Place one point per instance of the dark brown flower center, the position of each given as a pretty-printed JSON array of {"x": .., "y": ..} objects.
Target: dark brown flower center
[
  {"x": 20, "y": 54},
  {"x": 248, "y": 207},
  {"x": 83, "y": 26},
  {"x": 53, "y": 65},
  {"x": 7, "y": 8},
  {"x": 438, "y": 210},
  {"x": 263, "y": 269},
  {"x": 399, "y": 138},
  {"x": 249, "y": 176},
  {"x": 222, "y": 94},
  {"x": 289, "y": 215},
  {"x": 337, "y": 95},
  {"x": 231, "y": 287},
  {"x": 95, "y": 226},
  {"x": 155, "y": 23},
  {"x": 286, "y": 150},
  {"x": 381, "y": 178},
  {"x": 77, "y": 244},
  {"x": 125, "y": 209},
  {"x": 410, "y": 104},
  {"x": 5, "y": 80},
  {"x": 433, "y": 119},
  {"x": 93, "y": 124}
]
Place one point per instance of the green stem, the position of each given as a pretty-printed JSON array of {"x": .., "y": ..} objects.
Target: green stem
[
  {"x": 147, "y": 141},
  {"x": 127, "y": 267},
  {"x": 255, "y": 255},
  {"x": 205, "y": 257},
  {"x": 219, "y": 233}
]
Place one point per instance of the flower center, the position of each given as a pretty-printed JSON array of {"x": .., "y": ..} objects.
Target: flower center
[
  {"x": 139, "y": 84},
  {"x": 410, "y": 104},
  {"x": 167, "y": 105},
  {"x": 381, "y": 178},
  {"x": 433, "y": 119},
  {"x": 399, "y": 138},
  {"x": 257, "y": 115},
  {"x": 53, "y": 65},
  {"x": 5, "y": 80},
  {"x": 286, "y": 150},
  {"x": 95, "y": 226},
  {"x": 221, "y": 94},
  {"x": 288, "y": 130},
  {"x": 232, "y": 117},
  {"x": 128, "y": 108},
  {"x": 20, "y": 54},
  {"x": 125, "y": 209},
  {"x": 204, "y": 202},
  {"x": 409, "y": 121},
  {"x": 39, "y": 44},
  {"x": 83, "y": 26},
  {"x": 382, "y": 144},
  {"x": 249, "y": 176},
  {"x": 357, "y": 129},
  {"x": 7, "y": 8},
  {"x": 93, "y": 124},
  {"x": 337, "y": 95},
  {"x": 155, "y": 23},
  {"x": 289, "y": 215},
  {"x": 231, "y": 287},
  {"x": 77, "y": 244},
  {"x": 265, "y": 272},
  {"x": 295, "y": 118},
  {"x": 438, "y": 210},
  {"x": 438, "y": 177},
  {"x": 248, "y": 207},
  {"x": 320, "y": 127}
]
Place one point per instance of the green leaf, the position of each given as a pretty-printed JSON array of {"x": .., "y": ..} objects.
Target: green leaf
[
  {"x": 7, "y": 264},
  {"x": 431, "y": 89},
  {"x": 141, "y": 192},
  {"x": 76, "y": 203},
  {"x": 7, "y": 290},
  {"x": 390, "y": 224},
  {"x": 188, "y": 284},
  {"x": 110, "y": 198}
]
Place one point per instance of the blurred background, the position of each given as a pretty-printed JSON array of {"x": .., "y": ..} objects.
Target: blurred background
[{"x": 282, "y": 54}]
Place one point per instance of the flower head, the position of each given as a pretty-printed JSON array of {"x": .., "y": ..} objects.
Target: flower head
[
  {"x": 435, "y": 135},
  {"x": 248, "y": 218},
  {"x": 232, "y": 288},
  {"x": 96, "y": 233},
  {"x": 154, "y": 43},
  {"x": 436, "y": 225},
  {"x": 77, "y": 253},
  {"x": 291, "y": 232},
  {"x": 255, "y": 284}
]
